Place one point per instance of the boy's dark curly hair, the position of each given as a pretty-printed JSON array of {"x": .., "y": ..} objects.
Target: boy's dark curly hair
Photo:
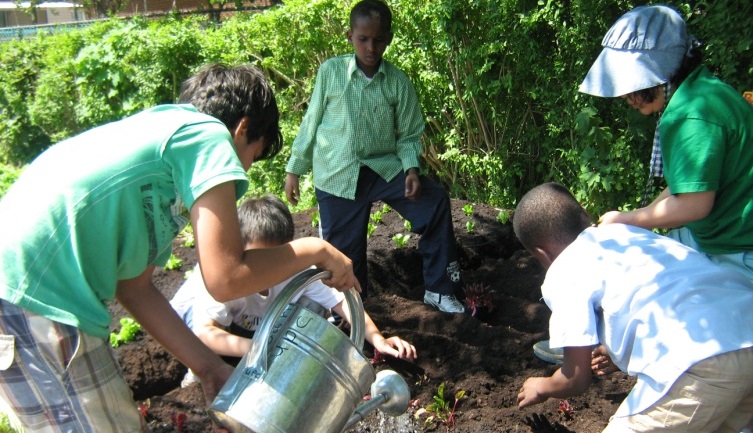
[
  {"x": 371, "y": 8},
  {"x": 231, "y": 92}
]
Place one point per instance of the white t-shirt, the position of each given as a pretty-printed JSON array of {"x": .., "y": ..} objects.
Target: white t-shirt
[
  {"x": 656, "y": 305},
  {"x": 246, "y": 312}
]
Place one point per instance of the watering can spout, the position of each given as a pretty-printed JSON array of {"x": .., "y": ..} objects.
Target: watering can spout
[{"x": 389, "y": 393}]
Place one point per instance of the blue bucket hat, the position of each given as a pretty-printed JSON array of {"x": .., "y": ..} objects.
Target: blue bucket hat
[{"x": 643, "y": 49}]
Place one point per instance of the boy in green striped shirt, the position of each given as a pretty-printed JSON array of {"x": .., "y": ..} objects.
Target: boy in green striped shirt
[{"x": 361, "y": 139}]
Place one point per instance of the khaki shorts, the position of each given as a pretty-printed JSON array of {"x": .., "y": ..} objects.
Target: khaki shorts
[
  {"x": 54, "y": 378},
  {"x": 715, "y": 395}
]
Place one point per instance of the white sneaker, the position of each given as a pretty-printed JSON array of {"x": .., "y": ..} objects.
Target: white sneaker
[{"x": 444, "y": 303}]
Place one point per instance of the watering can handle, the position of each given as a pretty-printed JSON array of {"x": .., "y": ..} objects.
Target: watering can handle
[{"x": 296, "y": 285}]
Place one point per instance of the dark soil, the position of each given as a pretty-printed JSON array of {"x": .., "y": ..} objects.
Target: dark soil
[{"x": 488, "y": 355}]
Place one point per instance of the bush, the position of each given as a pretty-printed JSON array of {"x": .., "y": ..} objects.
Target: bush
[{"x": 497, "y": 81}]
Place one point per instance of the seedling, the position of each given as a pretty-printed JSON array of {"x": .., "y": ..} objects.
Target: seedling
[
  {"x": 173, "y": 263},
  {"x": 442, "y": 410},
  {"x": 143, "y": 408},
  {"x": 468, "y": 209},
  {"x": 478, "y": 296},
  {"x": 128, "y": 330},
  {"x": 188, "y": 239},
  {"x": 187, "y": 274},
  {"x": 378, "y": 358},
  {"x": 314, "y": 218},
  {"x": 376, "y": 217},
  {"x": 422, "y": 380},
  {"x": 401, "y": 240},
  {"x": 386, "y": 208},
  {"x": 564, "y": 408},
  {"x": 370, "y": 230},
  {"x": 503, "y": 216},
  {"x": 470, "y": 226},
  {"x": 179, "y": 420},
  {"x": 408, "y": 226}
]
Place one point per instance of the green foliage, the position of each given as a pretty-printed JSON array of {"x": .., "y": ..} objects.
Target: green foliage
[
  {"x": 408, "y": 226},
  {"x": 188, "y": 273},
  {"x": 128, "y": 330},
  {"x": 400, "y": 240},
  {"x": 173, "y": 263},
  {"x": 503, "y": 216},
  {"x": 5, "y": 426},
  {"x": 442, "y": 410},
  {"x": 370, "y": 228},
  {"x": 8, "y": 175},
  {"x": 470, "y": 226},
  {"x": 502, "y": 107},
  {"x": 376, "y": 216},
  {"x": 188, "y": 239},
  {"x": 20, "y": 139},
  {"x": 468, "y": 209},
  {"x": 314, "y": 218}
]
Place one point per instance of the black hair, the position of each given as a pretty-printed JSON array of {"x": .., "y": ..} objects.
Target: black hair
[
  {"x": 266, "y": 219},
  {"x": 548, "y": 213},
  {"x": 230, "y": 93},
  {"x": 688, "y": 65},
  {"x": 372, "y": 9}
]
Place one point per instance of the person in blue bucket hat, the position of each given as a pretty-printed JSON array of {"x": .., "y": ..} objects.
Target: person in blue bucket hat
[{"x": 703, "y": 144}]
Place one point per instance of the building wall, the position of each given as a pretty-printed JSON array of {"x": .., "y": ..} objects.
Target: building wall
[{"x": 160, "y": 6}]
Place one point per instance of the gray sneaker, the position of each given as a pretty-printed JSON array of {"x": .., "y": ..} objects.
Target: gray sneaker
[{"x": 444, "y": 303}]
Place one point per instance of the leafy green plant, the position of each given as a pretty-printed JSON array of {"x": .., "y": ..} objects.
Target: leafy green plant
[
  {"x": 400, "y": 240},
  {"x": 188, "y": 240},
  {"x": 314, "y": 218},
  {"x": 188, "y": 273},
  {"x": 173, "y": 263},
  {"x": 370, "y": 229},
  {"x": 128, "y": 330},
  {"x": 468, "y": 209},
  {"x": 408, "y": 226},
  {"x": 386, "y": 208},
  {"x": 503, "y": 216},
  {"x": 565, "y": 409},
  {"x": 497, "y": 124},
  {"x": 442, "y": 410},
  {"x": 376, "y": 217},
  {"x": 470, "y": 226},
  {"x": 8, "y": 175},
  {"x": 5, "y": 426}
]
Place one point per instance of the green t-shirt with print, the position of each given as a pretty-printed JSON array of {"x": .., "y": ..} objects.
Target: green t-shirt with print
[{"x": 102, "y": 206}]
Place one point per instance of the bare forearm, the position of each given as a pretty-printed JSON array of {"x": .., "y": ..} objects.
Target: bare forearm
[
  {"x": 667, "y": 211},
  {"x": 260, "y": 269},
  {"x": 222, "y": 342},
  {"x": 156, "y": 316}
]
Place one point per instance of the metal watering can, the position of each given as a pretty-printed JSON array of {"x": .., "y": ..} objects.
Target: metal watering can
[{"x": 304, "y": 375}]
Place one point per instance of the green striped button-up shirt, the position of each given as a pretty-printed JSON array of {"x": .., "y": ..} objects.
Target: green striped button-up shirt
[{"x": 352, "y": 121}]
